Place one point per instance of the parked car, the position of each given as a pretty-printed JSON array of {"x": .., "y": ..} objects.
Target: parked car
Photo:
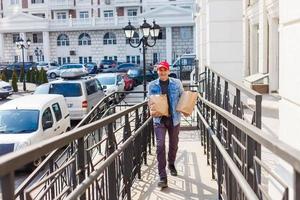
[
  {"x": 92, "y": 68},
  {"x": 106, "y": 65},
  {"x": 137, "y": 74},
  {"x": 129, "y": 82},
  {"x": 53, "y": 73},
  {"x": 31, "y": 119},
  {"x": 5, "y": 89},
  {"x": 125, "y": 67},
  {"x": 81, "y": 94},
  {"x": 17, "y": 66},
  {"x": 46, "y": 66},
  {"x": 185, "y": 64},
  {"x": 111, "y": 82}
]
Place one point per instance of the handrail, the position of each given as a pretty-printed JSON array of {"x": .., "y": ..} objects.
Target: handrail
[
  {"x": 278, "y": 147},
  {"x": 95, "y": 174},
  {"x": 13, "y": 161},
  {"x": 249, "y": 193},
  {"x": 250, "y": 92}
]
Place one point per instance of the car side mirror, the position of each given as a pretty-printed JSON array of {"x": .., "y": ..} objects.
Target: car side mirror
[
  {"x": 47, "y": 125},
  {"x": 104, "y": 87}
]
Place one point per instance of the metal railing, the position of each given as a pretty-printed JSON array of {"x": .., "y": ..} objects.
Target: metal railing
[
  {"x": 84, "y": 155},
  {"x": 236, "y": 165}
]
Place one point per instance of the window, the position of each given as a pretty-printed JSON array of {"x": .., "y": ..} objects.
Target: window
[
  {"x": 61, "y": 15},
  {"x": 133, "y": 59},
  {"x": 155, "y": 58},
  {"x": 91, "y": 87},
  {"x": 14, "y": 2},
  {"x": 63, "y": 60},
  {"x": 135, "y": 39},
  {"x": 66, "y": 89},
  {"x": 37, "y": 1},
  {"x": 132, "y": 12},
  {"x": 84, "y": 39},
  {"x": 115, "y": 58},
  {"x": 47, "y": 118},
  {"x": 186, "y": 33},
  {"x": 128, "y": 59},
  {"x": 16, "y": 58},
  {"x": 162, "y": 34},
  {"x": 42, "y": 15},
  {"x": 63, "y": 40},
  {"x": 15, "y": 37},
  {"x": 109, "y": 38},
  {"x": 138, "y": 60},
  {"x": 84, "y": 14},
  {"x": 108, "y": 13},
  {"x": 57, "y": 111},
  {"x": 37, "y": 38},
  {"x": 84, "y": 60}
]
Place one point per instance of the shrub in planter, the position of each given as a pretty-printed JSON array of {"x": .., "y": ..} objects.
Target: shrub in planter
[{"x": 14, "y": 82}]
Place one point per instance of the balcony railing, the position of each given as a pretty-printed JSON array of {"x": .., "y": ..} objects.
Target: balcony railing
[
  {"x": 117, "y": 22},
  {"x": 62, "y": 4}
]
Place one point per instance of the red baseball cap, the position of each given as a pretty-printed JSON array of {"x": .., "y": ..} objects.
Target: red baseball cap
[{"x": 163, "y": 64}]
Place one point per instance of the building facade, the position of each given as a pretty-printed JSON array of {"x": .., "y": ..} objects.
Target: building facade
[
  {"x": 91, "y": 30},
  {"x": 261, "y": 42},
  {"x": 219, "y": 36}
]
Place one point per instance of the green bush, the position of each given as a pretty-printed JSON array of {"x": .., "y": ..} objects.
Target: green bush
[
  {"x": 3, "y": 76},
  {"x": 22, "y": 74},
  {"x": 33, "y": 76},
  {"x": 28, "y": 76},
  {"x": 38, "y": 77},
  {"x": 43, "y": 76},
  {"x": 15, "y": 81}
]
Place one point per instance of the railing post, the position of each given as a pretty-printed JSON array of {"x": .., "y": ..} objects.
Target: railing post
[
  {"x": 212, "y": 89},
  {"x": 196, "y": 71},
  {"x": 226, "y": 97},
  {"x": 296, "y": 185},
  {"x": 219, "y": 159},
  {"x": 8, "y": 186},
  {"x": 81, "y": 162},
  {"x": 137, "y": 145},
  {"x": 112, "y": 179},
  {"x": 127, "y": 159},
  {"x": 257, "y": 146},
  {"x": 146, "y": 134}
]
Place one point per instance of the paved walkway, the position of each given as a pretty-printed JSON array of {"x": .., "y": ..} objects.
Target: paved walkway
[{"x": 194, "y": 176}]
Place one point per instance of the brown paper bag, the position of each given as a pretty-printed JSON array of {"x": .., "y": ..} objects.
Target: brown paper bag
[
  {"x": 158, "y": 105},
  {"x": 187, "y": 102}
]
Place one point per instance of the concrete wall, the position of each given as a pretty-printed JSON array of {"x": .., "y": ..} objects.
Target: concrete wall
[{"x": 221, "y": 37}]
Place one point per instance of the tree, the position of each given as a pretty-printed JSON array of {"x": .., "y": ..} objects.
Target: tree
[
  {"x": 28, "y": 76},
  {"x": 43, "y": 76},
  {"x": 38, "y": 77},
  {"x": 22, "y": 74},
  {"x": 33, "y": 76},
  {"x": 3, "y": 76},
  {"x": 15, "y": 81}
]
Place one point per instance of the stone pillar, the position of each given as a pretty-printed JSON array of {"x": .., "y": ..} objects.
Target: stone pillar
[
  {"x": 274, "y": 54},
  {"x": 46, "y": 46},
  {"x": 263, "y": 38},
  {"x": 1, "y": 47},
  {"x": 23, "y": 36},
  {"x": 253, "y": 49},
  {"x": 169, "y": 44}
]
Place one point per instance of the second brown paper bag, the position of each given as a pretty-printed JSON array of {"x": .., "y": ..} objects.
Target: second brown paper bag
[
  {"x": 158, "y": 105},
  {"x": 187, "y": 102}
]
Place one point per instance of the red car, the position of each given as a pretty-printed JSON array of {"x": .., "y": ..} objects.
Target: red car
[{"x": 129, "y": 83}]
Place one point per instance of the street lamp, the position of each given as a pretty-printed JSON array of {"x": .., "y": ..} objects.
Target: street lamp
[
  {"x": 21, "y": 44},
  {"x": 148, "y": 31},
  {"x": 38, "y": 53}
]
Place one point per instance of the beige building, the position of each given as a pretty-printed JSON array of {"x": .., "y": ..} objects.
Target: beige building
[{"x": 91, "y": 30}]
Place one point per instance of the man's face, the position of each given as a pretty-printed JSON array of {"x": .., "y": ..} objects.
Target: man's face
[{"x": 163, "y": 73}]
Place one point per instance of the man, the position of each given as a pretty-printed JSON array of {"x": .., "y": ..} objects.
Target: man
[{"x": 173, "y": 89}]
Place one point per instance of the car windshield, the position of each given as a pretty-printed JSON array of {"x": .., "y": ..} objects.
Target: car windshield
[
  {"x": 42, "y": 89},
  {"x": 133, "y": 72},
  {"x": 27, "y": 121},
  {"x": 66, "y": 89},
  {"x": 107, "y": 80}
]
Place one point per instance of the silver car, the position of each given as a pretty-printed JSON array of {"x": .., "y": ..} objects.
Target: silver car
[
  {"x": 5, "y": 89},
  {"x": 53, "y": 73}
]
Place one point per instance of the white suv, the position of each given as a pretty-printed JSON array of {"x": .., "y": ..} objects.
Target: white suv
[
  {"x": 31, "y": 119},
  {"x": 81, "y": 94}
]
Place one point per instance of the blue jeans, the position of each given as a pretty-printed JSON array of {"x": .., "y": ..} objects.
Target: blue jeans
[{"x": 160, "y": 133}]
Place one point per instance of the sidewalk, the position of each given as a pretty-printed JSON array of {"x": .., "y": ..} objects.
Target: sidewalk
[{"x": 194, "y": 176}]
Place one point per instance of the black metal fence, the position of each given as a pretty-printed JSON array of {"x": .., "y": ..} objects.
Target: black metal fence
[
  {"x": 117, "y": 145},
  {"x": 232, "y": 140}
]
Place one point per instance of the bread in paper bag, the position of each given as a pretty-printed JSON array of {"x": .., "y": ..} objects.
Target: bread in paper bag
[
  {"x": 187, "y": 102},
  {"x": 158, "y": 105}
]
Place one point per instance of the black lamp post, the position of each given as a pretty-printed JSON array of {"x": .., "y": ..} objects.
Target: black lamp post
[
  {"x": 21, "y": 44},
  {"x": 148, "y": 31},
  {"x": 38, "y": 53}
]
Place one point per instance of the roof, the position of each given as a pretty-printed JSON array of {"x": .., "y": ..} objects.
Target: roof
[{"x": 35, "y": 101}]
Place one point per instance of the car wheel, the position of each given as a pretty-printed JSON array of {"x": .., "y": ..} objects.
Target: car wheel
[{"x": 52, "y": 75}]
